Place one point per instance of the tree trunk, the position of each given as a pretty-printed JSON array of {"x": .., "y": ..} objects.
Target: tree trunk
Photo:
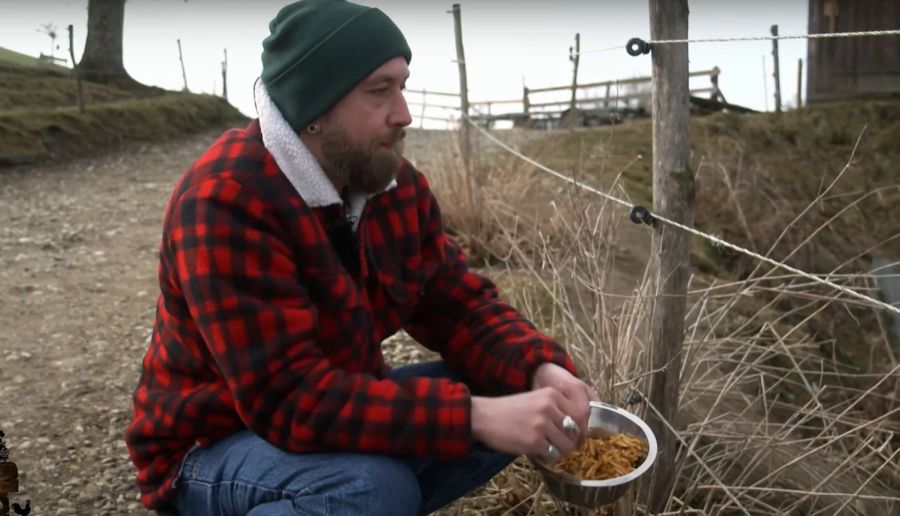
[{"x": 102, "y": 59}]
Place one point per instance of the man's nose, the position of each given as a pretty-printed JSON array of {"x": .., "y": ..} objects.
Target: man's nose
[{"x": 399, "y": 115}]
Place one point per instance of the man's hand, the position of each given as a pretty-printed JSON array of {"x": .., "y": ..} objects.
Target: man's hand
[
  {"x": 578, "y": 395},
  {"x": 530, "y": 422},
  {"x": 526, "y": 423}
]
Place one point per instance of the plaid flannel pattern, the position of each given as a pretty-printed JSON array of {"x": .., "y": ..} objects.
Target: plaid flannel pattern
[{"x": 260, "y": 326}]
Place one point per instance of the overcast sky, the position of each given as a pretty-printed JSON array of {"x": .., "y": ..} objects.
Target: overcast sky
[{"x": 506, "y": 42}]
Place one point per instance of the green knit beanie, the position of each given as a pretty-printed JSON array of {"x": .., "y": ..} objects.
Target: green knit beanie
[{"x": 318, "y": 50}]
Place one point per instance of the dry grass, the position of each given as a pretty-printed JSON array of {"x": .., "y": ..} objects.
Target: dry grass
[{"x": 768, "y": 423}]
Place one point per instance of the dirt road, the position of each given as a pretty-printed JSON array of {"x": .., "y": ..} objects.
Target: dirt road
[{"x": 78, "y": 245}]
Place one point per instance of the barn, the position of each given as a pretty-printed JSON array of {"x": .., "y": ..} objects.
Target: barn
[{"x": 858, "y": 67}]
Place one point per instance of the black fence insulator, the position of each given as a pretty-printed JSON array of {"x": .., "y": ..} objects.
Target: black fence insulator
[
  {"x": 641, "y": 215},
  {"x": 637, "y": 46}
]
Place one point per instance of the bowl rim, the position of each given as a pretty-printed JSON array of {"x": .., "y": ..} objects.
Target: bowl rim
[{"x": 617, "y": 481}]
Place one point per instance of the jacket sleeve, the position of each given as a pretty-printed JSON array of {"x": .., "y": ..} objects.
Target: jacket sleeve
[
  {"x": 241, "y": 285},
  {"x": 481, "y": 337}
]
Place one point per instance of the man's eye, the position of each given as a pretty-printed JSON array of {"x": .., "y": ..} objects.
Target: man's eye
[{"x": 380, "y": 91}]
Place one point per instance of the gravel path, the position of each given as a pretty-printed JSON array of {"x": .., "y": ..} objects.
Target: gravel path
[
  {"x": 78, "y": 244},
  {"x": 78, "y": 247}
]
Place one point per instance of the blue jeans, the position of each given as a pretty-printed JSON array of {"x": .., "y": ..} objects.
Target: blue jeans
[{"x": 244, "y": 474}]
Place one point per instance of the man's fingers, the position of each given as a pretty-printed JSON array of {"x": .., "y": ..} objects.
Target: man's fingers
[
  {"x": 563, "y": 441},
  {"x": 578, "y": 405}
]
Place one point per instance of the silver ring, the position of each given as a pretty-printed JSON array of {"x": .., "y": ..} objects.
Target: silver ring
[
  {"x": 552, "y": 453},
  {"x": 569, "y": 424}
]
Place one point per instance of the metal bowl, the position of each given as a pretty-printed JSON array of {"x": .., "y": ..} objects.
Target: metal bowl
[{"x": 604, "y": 420}]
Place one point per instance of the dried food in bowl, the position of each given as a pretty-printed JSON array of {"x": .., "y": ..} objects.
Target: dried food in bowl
[
  {"x": 604, "y": 457},
  {"x": 605, "y": 420}
]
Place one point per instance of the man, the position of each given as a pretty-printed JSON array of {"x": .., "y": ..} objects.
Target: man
[{"x": 290, "y": 251}]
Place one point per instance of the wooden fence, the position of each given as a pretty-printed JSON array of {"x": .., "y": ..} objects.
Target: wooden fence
[{"x": 536, "y": 109}]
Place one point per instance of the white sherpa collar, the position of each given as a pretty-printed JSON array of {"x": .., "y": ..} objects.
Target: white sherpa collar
[
  {"x": 294, "y": 159},
  {"x": 297, "y": 163}
]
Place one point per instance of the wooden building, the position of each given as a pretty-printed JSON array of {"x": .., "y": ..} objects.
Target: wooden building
[{"x": 858, "y": 67}]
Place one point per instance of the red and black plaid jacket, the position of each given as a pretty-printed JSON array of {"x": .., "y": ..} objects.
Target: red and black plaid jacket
[{"x": 260, "y": 326}]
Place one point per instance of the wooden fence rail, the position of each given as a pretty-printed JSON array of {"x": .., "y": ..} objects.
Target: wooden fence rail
[
  {"x": 429, "y": 92},
  {"x": 529, "y": 108}
]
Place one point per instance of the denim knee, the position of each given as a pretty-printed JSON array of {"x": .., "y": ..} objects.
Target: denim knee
[{"x": 376, "y": 485}]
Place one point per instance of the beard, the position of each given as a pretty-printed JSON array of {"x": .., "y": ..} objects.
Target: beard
[{"x": 367, "y": 169}]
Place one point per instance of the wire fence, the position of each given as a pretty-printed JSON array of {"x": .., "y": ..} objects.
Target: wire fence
[
  {"x": 657, "y": 217},
  {"x": 825, "y": 35},
  {"x": 649, "y": 217},
  {"x": 641, "y": 45}
]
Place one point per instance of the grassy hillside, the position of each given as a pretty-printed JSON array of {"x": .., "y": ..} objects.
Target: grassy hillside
[
  {"x": 40, "y": 120},
  {"x": 10, "y": 57},
  {"x": 754, "y": 173}
]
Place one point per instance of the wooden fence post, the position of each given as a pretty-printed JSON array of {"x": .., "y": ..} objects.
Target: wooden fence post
[
  {"x": 777, "y": 72},
  {"x": 75, "y": 71},
  {"x": 673, "y": 197},
  {"x": 465, "y": 143},
  {"x": 181, "y": 59},
  {"x": 424, "y": 103},
  {"x": 526, "y": 106},
  {"x": 714, "y": 80},
  {"x": 225, "y": 76},
  {"x": 574, "y": 57}
]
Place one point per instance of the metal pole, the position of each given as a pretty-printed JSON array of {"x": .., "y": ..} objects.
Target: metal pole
[
  {"x": 673, "y": 197},
  {"x": 799, "y": 83}
]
